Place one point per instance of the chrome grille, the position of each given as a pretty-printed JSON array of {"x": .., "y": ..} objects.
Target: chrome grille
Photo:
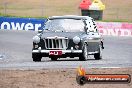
[{"x": 56, "y": 43}]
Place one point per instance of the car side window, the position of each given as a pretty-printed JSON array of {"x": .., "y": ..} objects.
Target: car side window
[
  {"x": 47, "y": 24},
  {"x": 95, "y": 27},
  {"x": 91, "y": 26}
]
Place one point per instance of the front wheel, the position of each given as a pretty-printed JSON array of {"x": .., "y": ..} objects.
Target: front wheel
[
  {"x": 36, "y": 57},
  {"x": 84, "y": 55},
  {"x": 98, "y": 55},
  {"x": 54, "y": 58}
]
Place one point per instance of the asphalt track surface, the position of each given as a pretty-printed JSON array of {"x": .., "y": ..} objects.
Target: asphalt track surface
[{"x": 16, "y": 50}]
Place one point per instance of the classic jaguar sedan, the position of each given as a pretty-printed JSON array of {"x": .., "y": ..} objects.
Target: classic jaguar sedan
[{"x": 67, "y": 36}]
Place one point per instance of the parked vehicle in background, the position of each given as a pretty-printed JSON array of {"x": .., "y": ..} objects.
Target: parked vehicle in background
[{"x": 68, "y": 36}]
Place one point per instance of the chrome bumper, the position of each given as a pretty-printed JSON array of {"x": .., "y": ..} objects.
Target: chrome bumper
[{"x": 63, "y": 51}]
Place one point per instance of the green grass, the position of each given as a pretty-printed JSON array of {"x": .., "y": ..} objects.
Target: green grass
[
  {"x": 47, "y": 17},
  {"x": 118, "y": 20},
  {"x": 8, "y": 15}
]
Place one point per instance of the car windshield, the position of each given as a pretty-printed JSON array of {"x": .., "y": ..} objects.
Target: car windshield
[{"x": 67, "y": 25}]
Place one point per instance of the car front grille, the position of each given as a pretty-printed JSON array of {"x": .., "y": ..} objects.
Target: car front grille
[{"x": 56, "y": 43}]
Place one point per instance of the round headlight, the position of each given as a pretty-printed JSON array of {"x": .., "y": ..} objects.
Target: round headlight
[
  {"x": 36, "y": 39},
  {"x": 76, "y": 39}
]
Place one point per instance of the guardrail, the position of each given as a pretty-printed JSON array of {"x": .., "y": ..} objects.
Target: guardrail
[{"x": 106, "y": 28}]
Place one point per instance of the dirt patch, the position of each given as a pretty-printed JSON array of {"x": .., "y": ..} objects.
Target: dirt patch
[{"x": 55, "y": 78}]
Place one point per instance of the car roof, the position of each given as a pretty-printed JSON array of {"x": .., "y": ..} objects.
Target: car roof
[{"x": 70, "y": 17}]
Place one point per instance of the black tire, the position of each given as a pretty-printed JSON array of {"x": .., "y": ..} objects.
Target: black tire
[
  {"x": 54, "y": 58},
  {"x": 36, "y": 57},
  {"x": 98, "y": 56},
  {"x": 84, "y": 55}
]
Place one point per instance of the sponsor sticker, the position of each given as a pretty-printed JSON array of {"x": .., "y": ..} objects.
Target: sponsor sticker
[{"x": 55, "y": 53}]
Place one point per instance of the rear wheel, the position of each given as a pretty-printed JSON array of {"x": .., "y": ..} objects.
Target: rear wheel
[
  {"x": 36, "y": 57},
  {"x": 98, "y": 56},
  {"x": 84, "y": 55}
]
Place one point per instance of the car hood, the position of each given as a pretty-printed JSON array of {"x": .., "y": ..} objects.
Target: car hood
[{"x": 61, "y": 34}]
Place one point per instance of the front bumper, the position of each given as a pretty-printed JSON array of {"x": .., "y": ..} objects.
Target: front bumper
[{"x": 63, "y": 51}]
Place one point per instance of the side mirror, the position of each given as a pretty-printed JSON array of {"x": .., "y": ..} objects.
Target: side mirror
[{"x": 39, "y": 31}]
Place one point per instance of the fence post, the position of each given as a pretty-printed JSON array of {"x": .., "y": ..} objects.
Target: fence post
[
  {"x": 117, "y": 14},
  {"x": 5, "y": 7},
  {"x": 42, "y": 12}
]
